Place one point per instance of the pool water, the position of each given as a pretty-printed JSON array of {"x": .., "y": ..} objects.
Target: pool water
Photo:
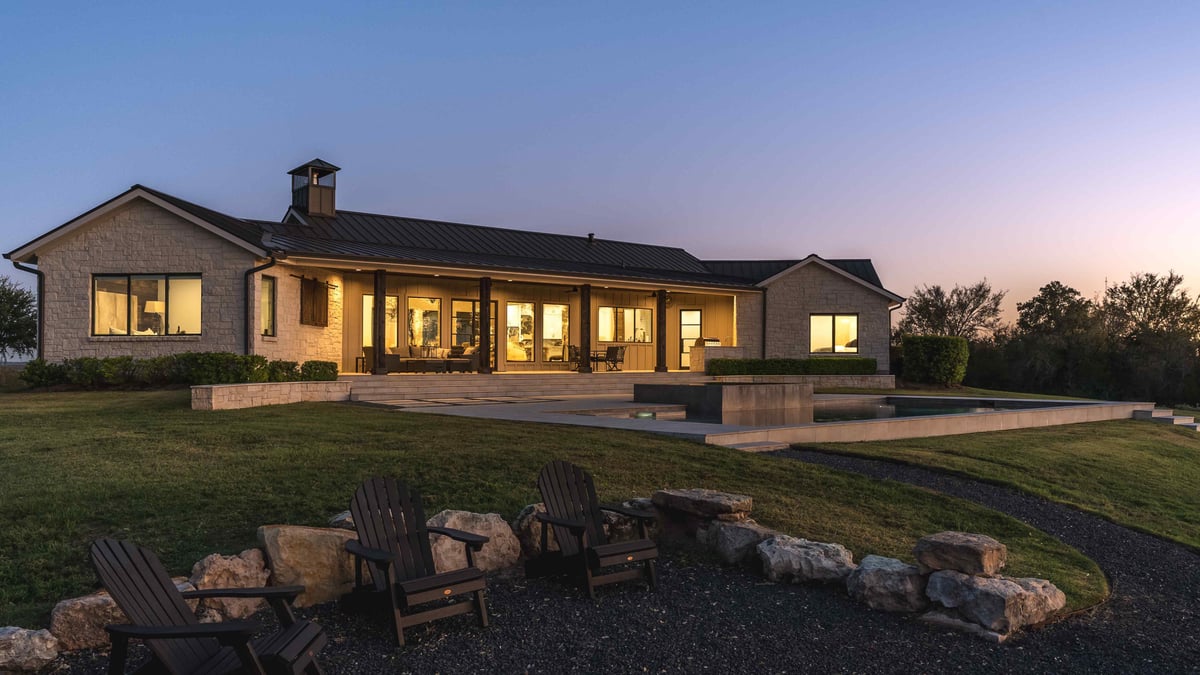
[{"x": 852, "y": 410}]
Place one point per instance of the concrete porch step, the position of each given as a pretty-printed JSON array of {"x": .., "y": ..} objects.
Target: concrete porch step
[
  {"x": 1177, "y": 420},
  {"x": 1152, "y": 414},
  {"x": 760, "y": 446}
]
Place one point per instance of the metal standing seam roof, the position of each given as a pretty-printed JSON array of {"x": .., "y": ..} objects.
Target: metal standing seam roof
[{"x": 758, "y": 270}]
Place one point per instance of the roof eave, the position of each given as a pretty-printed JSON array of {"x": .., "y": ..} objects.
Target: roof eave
[{"x": 814, "y": 258}]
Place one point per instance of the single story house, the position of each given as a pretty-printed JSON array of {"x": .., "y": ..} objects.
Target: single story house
[{"x": 147, "y": 273}]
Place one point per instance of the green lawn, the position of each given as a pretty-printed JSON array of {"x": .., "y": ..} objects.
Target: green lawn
[
  {"x": 142, "y": 465},
  {"x": 918, "y": 390},
  {"x": 1139, "y": 474}
]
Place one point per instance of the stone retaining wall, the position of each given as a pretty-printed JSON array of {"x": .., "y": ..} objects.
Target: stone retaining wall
[
  {"x": 235, "y": 396},
  {"x": 818, "y": 381}
]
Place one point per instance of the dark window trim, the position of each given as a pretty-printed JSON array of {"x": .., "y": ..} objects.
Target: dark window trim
[
  {"x": 128, "y": 276},
  {"x": 833, "y": 331},
  {"x": 541, "y": 318},
  {"x": 649, "y": 330},
  {"x": 494, "y": 317},
  {"x": 371, "y": 295},
  {"x": 274, "y": 303}
]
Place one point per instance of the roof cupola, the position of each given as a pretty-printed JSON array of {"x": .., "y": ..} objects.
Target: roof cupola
[{"x": 313, "y": 187}]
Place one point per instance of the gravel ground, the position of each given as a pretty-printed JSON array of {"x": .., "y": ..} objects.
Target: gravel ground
[{"x": 706, "y": 618}]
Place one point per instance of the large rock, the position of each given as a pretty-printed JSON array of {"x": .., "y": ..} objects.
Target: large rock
[
  {"x": 705, "y": 504},
  {"x": 888, "y": 585},
  {"x": 23, "y": 650},
  {"x": 625, "y": 528},
  {"x": 529, "y": 531},
  {"x": 501, "y": 552},
  {"x": 342, "y": 521},
  {"x": 960, "y": 551},
  {"x": 999, "y": 604},
  {"x": 798, "y": 560},
  {"x": 734, "y": 542},
  {"x": 313, "y": 557},
  {"x": 79, "y": 623},
  {"x": 245, "y": 570}
]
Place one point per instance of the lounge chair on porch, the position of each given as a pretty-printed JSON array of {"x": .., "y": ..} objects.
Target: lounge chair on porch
[
  {"x": 614, "y": 357},
  {"x": 178, "y": 641},
  {"x": 572, "y": 510},
  {"x": 394, "y": 540}
]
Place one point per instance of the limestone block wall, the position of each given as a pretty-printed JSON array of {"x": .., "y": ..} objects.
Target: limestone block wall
[
  {"x": 748, "y": 308},
  {"x": 294, "y": 341},
  {"x": 813, "y": 289},
  {"x": 140, "y": 238},
  {"x": 235, "y": 396}
]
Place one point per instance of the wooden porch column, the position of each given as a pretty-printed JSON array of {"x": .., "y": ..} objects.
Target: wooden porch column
[
  {"x": 585, "y": 328},
  {"x": 379, "y": 323},
  {"x": 660, "y": 358},
  {"x": 485, "y": 325}
]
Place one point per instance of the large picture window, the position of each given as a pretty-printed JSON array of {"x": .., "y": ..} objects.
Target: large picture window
[
  {"x": 392, "y": 309},
  {"x": 625, "y": 324},
  {"x": 833, "y": 333},
  {"x": 466, "y": 326},
  {"x": 425, "y": 322},
  {"x": 556, "y": 329},
  {"x": 146, "y": 304},
  {"x": 267, "y": 307},
  {"x": 519, "y": 331}
]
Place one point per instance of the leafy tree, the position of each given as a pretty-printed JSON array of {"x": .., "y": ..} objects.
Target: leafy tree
[
  {"x": 18, "y": 320},
  {"x": 1056, "y": 308},
  {"x": 969, "y": 312},
  {"x": 1059, "y": 344},
  {"x": 1150, "y": 303}
]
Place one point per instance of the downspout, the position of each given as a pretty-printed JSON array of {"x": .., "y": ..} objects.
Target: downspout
[
  {"x": 41, "y": 286},
  {"x": 246, "y": 343}
]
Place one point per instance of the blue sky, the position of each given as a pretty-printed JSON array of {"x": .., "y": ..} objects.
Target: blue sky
[{"x": 1024, "y": 142}]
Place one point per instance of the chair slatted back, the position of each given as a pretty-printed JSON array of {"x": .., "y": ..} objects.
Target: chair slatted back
[
  {"x": 139, "y": 584},
  {"x": 388, "y": 515},
  {"x": 569, "y": 493}
]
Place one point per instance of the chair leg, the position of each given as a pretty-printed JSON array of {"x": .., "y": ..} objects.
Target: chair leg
[
  {"x": 314, "y": 668},
  {"x": 481, "y": 608},
  {"x": 651, "y": 575},
  {"x": 587, "y": 580},
  {"x": 399, "y": 626}
]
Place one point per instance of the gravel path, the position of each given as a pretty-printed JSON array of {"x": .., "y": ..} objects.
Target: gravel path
[{"x": 706, "y": 618}]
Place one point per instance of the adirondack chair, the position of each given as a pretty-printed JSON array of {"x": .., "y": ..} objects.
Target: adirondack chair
[
  {"x": 393, "y": 540},
  {"x": 140, "y": 586},
  {"x": 575, "y": 516}
]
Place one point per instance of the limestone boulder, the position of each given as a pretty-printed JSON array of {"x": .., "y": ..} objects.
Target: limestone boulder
[
  {"x": 888, "y": 585},
  {"x": 705, "y": 504},
  {"x": 624, "y": 528},
  {"x": 998, "y": 604},
  {"x": 501, "y": 552},
  {"x": 734, "y": 542},
  {"x": 78, "y": 623},
  {"x": 791, "y": 559},
  {"x": 313, "y": 557},
  {"x": 342, "y": 521},
  {"x": 960, "y": 551},
  {"x": 248, "y": 569},
  {"x": 26, "y": 651},
  {"x": 529, "y": 531}
]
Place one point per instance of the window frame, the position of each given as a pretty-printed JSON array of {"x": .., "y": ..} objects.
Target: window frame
[
  {"x": 274, "y": 326},
  {"x": 128, "y": 277},
  {"x": 833, "y": 332},
  {"x": 649, "y": 328},
  {"x": 408, "y": 320}
]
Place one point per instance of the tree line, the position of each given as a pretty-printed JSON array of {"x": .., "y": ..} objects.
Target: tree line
[{"x": 1140, "y": 340}]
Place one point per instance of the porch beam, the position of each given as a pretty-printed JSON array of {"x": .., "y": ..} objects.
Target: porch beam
[
  {"x": 585, "y": 328},
  {"x": 379, "y": 323},
  {"x": 485, "y": 325},
  {"x": 660, "y": 357}
]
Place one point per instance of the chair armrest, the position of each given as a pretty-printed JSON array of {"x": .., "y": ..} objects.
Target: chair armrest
[
  {"x": 626, "y": 511},
  {"x": 573, "y": 525},
  {"x": 375, "y": 555},
  {"x": 227, "y": 632},
  {"x": 284, "y": 592},
  {"x": 475, "y": 541}
]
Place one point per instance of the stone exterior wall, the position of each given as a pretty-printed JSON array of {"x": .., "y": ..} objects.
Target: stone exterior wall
[
  {"x": 813, "y": 289},
  {"x": 748, "y": 307},
  {"x": 294, "y": 341},
  {"x": 235, "y": 396},
  {"x": 140, "y": 238}
]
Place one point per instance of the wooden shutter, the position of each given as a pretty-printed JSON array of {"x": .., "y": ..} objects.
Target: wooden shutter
[{"x": 314, "y": 302}]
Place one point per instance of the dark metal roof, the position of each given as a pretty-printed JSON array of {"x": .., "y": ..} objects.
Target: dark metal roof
[
  {"x": 756, "y": 271},
  {"x": 317, "y": 163}
]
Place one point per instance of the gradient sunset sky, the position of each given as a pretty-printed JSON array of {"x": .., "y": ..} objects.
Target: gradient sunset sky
[{"x": 1022, "y": 142}]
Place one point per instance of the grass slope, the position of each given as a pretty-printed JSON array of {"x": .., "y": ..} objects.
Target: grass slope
[
  {"x": 1138, "y": 474},
  {"x": 142, "y": 465}
]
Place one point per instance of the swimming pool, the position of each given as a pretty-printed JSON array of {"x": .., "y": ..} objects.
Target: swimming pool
[{"x": 858, "y": 409}]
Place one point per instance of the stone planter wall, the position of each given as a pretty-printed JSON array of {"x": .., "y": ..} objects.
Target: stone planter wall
[{"x": 235, "y": 396}]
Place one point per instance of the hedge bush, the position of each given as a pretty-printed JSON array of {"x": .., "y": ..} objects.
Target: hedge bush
[
  {"x": 189, "y": 368},
  {"x": 840, "y": 365},
  {"x": 935, "y": 359}
]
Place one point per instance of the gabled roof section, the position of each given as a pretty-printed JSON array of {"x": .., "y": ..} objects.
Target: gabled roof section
[
  {"x": 234, "y": 230},
  {"x": 762, "y": 272}
]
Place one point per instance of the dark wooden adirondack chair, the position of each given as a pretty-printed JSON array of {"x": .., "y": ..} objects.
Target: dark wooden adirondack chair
[
  {"x": 394, "y": 540},
  {"x": 139, "y": 584},
  {"x": 575, "y": 515}
]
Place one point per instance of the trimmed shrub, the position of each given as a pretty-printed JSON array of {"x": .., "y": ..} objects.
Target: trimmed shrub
[
  {"x": 319, "y": 371},
  {"x": 935, "y": 359},
  {"x": 283, "y": 371},
  {"x": 39, "y": 373},
  {"x": 839, "y": 365}
]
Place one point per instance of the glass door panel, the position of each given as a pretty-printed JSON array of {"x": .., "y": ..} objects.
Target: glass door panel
[
  {"x": 556, "y": 328},
  {"x": 689, "y": 330}
]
